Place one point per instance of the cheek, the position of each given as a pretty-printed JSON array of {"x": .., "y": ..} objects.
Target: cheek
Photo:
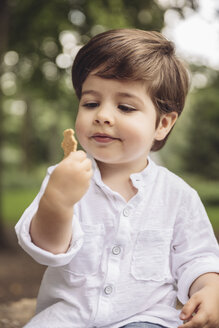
[
  {"x": 139, "y": 136},
  {"x": 80, "y": 127},
  {"x": 134, "y": 132}
]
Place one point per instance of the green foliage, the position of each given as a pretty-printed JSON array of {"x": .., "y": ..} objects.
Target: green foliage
[
  {"x": 208, "y": 189},
  {"x": 193, "y": 145},
  {"x": 38, "y": 101},
  {"x": 202, "y": 142}
]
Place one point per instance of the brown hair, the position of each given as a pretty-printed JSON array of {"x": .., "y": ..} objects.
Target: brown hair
[{"x": 132, "y": 54}]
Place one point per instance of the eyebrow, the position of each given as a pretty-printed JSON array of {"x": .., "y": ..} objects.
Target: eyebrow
[
  {"x": 128, "y": 95},
  {"x": 90, "y": 92},
  {"x": 121, "y": 94}
]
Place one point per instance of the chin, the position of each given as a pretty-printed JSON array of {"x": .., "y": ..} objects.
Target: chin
[
  {"x": 103, "y": 156},
  {"x": 105, "y": 159}
]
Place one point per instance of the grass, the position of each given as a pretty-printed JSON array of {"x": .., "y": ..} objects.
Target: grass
[
  {"x": 20, "y": 188},
  {"x": 213, "y": 213},
  {"x": 15, "y": 202},
  {"x": 207, "y": 189}
]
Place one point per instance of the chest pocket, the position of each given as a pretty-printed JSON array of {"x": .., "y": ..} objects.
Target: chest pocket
[
  {"x": 87, "y": 260},
  {"x": 150, "y": 260}
]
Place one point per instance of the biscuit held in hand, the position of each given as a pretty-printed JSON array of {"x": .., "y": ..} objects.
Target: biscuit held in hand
[{"x": 69, "y": 143}]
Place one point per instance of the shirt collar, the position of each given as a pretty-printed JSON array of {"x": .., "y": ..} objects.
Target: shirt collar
[{"x": 145, "y": 177}]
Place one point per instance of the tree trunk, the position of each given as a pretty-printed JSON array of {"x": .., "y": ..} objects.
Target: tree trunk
[
  {"x": 27, "y": 140},
  {"x": 4, "y": 23}
]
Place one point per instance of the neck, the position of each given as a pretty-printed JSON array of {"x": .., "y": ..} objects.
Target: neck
[
  {"x": 124, "y": 170},
  {"x": 117, "y": 177}
]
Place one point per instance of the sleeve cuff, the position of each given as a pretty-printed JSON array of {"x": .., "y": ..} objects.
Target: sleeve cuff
[
  {"x": 44, "y": 257},
  {"x": 192, "y": 273}
]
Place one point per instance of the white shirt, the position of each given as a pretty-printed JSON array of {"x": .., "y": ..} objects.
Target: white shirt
[{"x": 128, "y": 261}]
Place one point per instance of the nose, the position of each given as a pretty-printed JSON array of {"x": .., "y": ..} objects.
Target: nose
[{"x": 104, "y": 116}]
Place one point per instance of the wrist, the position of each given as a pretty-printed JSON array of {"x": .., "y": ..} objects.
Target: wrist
[
  {"x": 53, "y": 206},
  {"x": 207, "y": 279},
  {"x": 57, "y": 198}
]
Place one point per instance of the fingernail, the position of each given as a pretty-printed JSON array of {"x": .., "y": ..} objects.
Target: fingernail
[{"x": 182, "y": 316}]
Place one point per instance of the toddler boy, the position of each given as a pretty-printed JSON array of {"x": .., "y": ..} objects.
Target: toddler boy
[{"x": 123, "y": 237}]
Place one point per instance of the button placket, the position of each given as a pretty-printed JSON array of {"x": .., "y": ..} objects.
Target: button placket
[
  {"x": 108, "y": 290},
  {"x": 126, "y": 212},
  {"x": 116, "y": 250}
]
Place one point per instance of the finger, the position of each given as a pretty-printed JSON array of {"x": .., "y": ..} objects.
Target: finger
[
  {"x": 186, "y": 324},
  {"x": 88, "y": 165},
  {"x": 79, "y": 154},
  {"x": 198, "y": 320},
  {"x": 189, "y": 308},
  {"x": 89, "y": 174}
]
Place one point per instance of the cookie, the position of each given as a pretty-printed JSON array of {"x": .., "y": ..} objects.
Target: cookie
[{"x": 69, "y": 142}]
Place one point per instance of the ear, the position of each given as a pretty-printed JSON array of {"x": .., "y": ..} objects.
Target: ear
[{"x": 166, "y": 123}]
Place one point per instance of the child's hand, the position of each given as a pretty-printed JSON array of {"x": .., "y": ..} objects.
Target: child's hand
[
  {"x": 70, "y": 180},
  {"x": 205, "y": 305}
]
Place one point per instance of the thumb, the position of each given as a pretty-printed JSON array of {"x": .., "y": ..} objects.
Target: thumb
[{"x": 189, "y": 308}]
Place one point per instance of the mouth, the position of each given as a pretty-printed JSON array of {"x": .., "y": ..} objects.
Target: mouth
[{"x": 103, "y": 138}]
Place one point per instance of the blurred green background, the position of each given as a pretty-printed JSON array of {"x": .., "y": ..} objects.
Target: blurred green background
[{"x": 38, "y": 43}]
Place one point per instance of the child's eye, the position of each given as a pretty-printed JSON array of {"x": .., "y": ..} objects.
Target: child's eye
[
  {"x": 126, "y": 108},
  {"x": 90, "y": 105}
]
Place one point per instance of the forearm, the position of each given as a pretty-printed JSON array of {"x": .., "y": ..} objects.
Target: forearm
[
  {"x": 203, "y": 281},
  {"x": 51, "y": 227}
]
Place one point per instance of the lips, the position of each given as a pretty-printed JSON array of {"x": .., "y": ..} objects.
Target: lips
[{"x": 103, "y": 138}]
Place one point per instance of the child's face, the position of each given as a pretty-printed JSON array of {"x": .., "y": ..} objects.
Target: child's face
[{"x": 116, "y": 121}]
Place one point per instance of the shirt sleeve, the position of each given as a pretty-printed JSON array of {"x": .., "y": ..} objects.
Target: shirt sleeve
[
  {"x": 40, "y": 255},
  {"x": 195, "y": 250}
]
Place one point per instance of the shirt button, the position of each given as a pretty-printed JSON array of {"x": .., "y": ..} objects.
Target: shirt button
[
  {"x": 108, "y": 290},
  {"x": 126, "y": 212},
  {"x": 116, "y": 250}
]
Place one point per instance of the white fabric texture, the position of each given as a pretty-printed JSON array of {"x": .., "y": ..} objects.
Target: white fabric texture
[{"x": 128, "y": 261}]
